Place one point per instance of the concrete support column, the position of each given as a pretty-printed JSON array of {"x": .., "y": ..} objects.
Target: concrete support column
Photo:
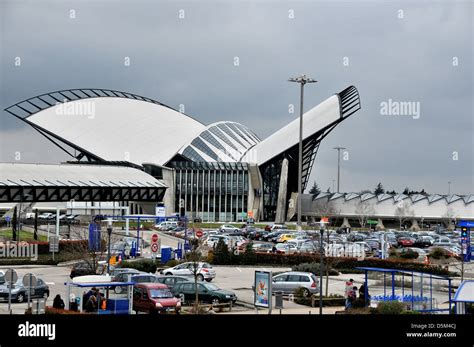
[
  {"x": 380, "y": 225},
  {"x": 414, "y": 225},
  {"x": 281, "y": 201}
]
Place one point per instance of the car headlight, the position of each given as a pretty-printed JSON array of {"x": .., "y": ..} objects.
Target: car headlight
[
  {"x": 158, "y": 305},
  {"x": 227, "y": 296}
]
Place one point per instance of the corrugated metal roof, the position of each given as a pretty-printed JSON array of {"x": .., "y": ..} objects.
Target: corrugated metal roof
[{"x": 67, "y": 175}]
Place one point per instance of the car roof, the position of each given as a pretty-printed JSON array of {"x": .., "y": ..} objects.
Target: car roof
[
  {"x": 295, "y": 273},
  {"x": 152, "y": 285}
]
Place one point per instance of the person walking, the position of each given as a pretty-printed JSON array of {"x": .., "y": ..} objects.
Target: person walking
[
  {"x": 58, "y": 302},
  {"x": 347, "y": 291},
  {"x": 352, "y": 296}
]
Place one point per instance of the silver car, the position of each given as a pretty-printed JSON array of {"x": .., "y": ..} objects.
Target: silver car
[{"x": 288, "y": 282}]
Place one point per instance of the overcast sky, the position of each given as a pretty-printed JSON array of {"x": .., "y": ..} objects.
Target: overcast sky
[{"x": 400, "y": 50}]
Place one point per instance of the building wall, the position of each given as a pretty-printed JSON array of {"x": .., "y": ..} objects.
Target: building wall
[
  {"x": 437, "y": 210},
  {"x": 212, "y": 194}
]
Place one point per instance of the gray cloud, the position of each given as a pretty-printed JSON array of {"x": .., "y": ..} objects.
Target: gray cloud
[{"x": 190, "y": 61}]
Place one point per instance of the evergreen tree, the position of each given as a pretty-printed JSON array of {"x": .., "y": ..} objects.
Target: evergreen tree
[
  {"x": 379, "y": 189},
  {"x": 314, "y": 191}
]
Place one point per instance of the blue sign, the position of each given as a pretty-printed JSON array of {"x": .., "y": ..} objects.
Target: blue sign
[
  {"x": 8, "y": 218},
  {"x": 466, "y": 243}
]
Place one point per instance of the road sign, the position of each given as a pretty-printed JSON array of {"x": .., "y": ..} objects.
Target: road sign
[
  {"x": 154, "y": 247},
  {"x": 154, "y": 238},
  {"x": 8, "y": 219},
  {"x": 29, "y": 280},
  {"x": 54, "y": 244},
  {"x": 199, "y": 233},
  {"x": 11, "y": 276}
]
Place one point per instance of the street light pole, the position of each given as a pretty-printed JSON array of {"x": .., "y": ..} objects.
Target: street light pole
[
  {"x": 109, "y": 232},
  {"x": 338, "y": 165},
  {"x": 302, "y": 80},
  {"x": 321, "y": 230}
]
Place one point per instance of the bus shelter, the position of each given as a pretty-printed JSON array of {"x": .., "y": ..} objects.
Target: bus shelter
[
  {"x": 114, "y": 303},
  {"x": 419, "y": 291},
  {"x": 464, "y": 298}
]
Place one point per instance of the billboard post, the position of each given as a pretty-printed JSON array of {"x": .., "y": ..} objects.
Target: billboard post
[{"x": 263, "y": 290}]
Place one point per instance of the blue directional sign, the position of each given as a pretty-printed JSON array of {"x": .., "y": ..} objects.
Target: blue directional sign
[
  {"x": 466, "y": 240},
  {"x": 8, "y": 219}
]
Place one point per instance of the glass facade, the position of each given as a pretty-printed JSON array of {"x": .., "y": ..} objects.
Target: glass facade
[{"x": 212, "y": 191}]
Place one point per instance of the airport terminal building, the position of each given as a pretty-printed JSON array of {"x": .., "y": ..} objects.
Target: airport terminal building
[{"x": 218, "y": 172}]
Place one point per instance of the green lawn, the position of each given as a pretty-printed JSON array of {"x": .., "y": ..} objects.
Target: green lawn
[{"x": 24, "y": 236}]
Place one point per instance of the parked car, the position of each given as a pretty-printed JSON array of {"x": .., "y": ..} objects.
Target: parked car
[
  {"x": 288, "y": 282},
  {"x": 120, "y": 270},
  {"x": 406, "y": 241},
  {"x": 285, "y": 237},
  {"x": 262, "y": 247},
  {"x": 204, "y": 271},
  {"x": 154, "y": 298},
  {"x": 275, "y": 236},
  {"x": 226, "y": 228},
  {"x": 19, "y": 293},
  {"x": 423, "y": 241},
  {"x": 82, "y": 269},
  {"x": 166, "y": 225},
  {"x": 46, "y": 216},
  {"x": 171, "y": 281},
  {"x": 286, "y": 248},
  {"x": 208, "y": 292},
  {"x": 212, "y": 240},
  {"x": 275, "y": 227},
  {"x": 307, "y": 247}
]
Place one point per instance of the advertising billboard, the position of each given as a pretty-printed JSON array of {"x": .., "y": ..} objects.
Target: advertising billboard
[{"x": 263, "y": 289}]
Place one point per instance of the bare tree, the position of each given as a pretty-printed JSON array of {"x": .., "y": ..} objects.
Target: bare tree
[
  {"x": 403, "y": 212},
  {"x": 195, "y": 257},
  {"x": 91, "y": 254},
  {"x": 448, "y": 217},
  {"x": 363, "y": 210},
  {"x": 324, "y": 208}
]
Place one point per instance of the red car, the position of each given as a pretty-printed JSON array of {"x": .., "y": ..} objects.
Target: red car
[
  {"x": 154, "y": 298},
  {"x": 406, "y": 241}
]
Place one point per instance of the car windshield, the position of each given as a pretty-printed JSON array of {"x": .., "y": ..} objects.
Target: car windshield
[
  {"x": 160, "y": 293},
  {"x": 211, "y": 287}
]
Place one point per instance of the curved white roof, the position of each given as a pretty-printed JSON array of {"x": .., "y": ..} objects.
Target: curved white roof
[
  {"x": 316, "y": 119},
  {"x": 221, "y": 141},
  {"x": 120, "y": 129}
]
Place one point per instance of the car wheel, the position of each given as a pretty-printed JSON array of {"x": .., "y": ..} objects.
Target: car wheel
[
  {"x": 118, "y": 289},
  {"x": 208, "y": 279},
  {"x": 215, "y": 301},
  {"x": 20, "y": 297},
  {"x": 306, "y": 292},
  {"x": 181, "y": 298},
  {"x": 200, "y": 277},
  {"x": 45, "y": 295}
]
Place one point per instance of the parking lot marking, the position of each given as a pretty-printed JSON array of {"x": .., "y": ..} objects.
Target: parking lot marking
[
  {"x": 49, "y": 283},
  {"x": 238, "y": 269}
]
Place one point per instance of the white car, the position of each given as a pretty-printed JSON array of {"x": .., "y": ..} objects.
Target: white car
[
  {"x": 227, "y": 228},
  {"x": 212, "y": 240},
  {"x": 46, "y": 215},
  {"x": 286, "y": 248},
  {"x": 204, "y": 271}
]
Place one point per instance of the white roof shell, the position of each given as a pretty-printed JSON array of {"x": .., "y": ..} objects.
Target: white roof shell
[{"x": 120, "y": 129}]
